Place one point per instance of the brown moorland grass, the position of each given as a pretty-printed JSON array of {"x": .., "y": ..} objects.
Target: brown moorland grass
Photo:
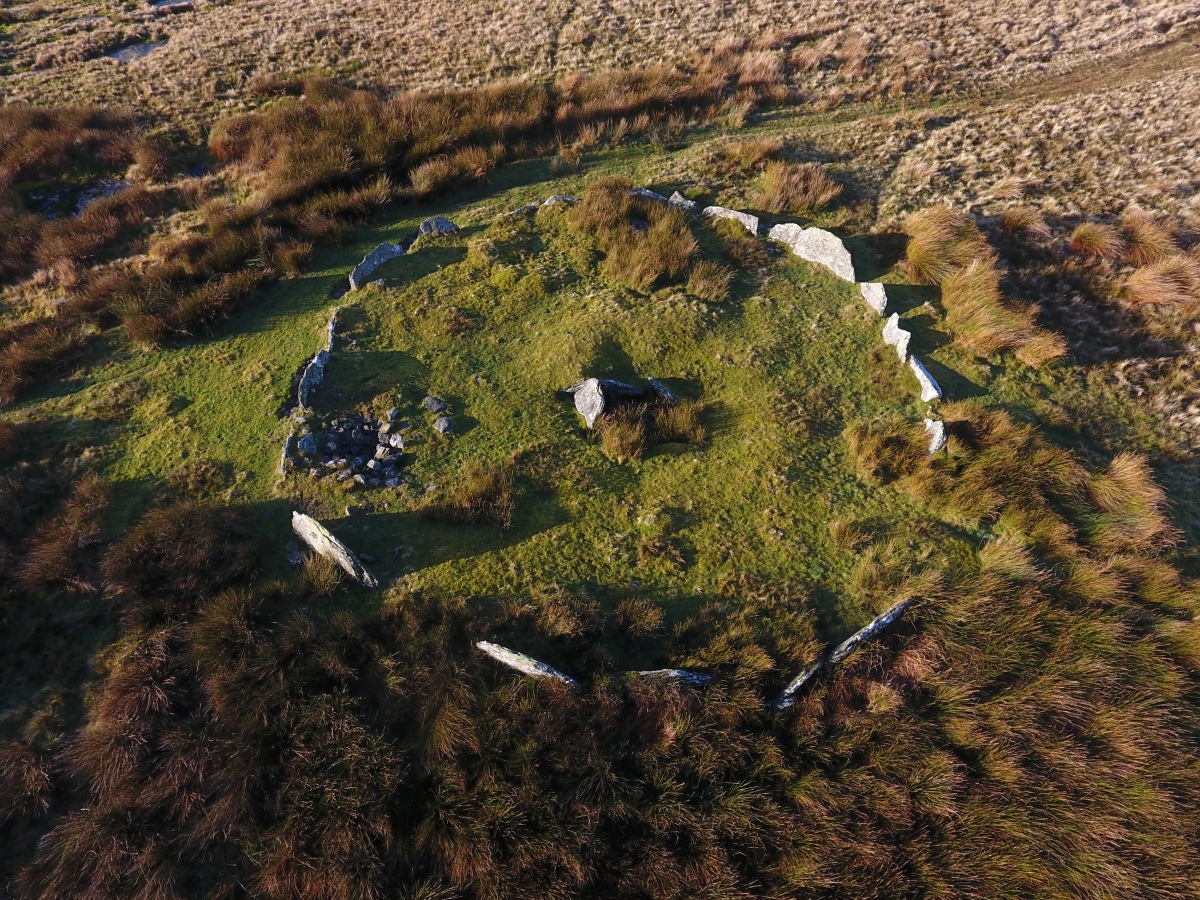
[
  {"x": 477, "y": 495},
  {"x": 799, "y": 188},
  {"x": 1097, "y": 239}
]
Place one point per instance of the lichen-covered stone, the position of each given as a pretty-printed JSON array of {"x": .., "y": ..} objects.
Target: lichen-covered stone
[
  {"x": 695, "y": 678},
  {"x": 526, "y": 665},
  {"x": 720, "y": 212},
  {"x": 679, "y": 201},
  {"x": 929, "y": 387},
  {"x": 589, "y": 400},
  {"x": 816, "y": 245},
  {"x": 874, "y": 295},
  {"x": 895, "y": 336},
  {"x": 321, "y": 542},
  {"x": 937, "y": 435},
  {"x": 648, "y": 194},
  {"x": 437, "y": 225},
  {"x": 555, "y": 199},
  {"x": 443, "y": 425},
  {"x": 372, "y": 261}
]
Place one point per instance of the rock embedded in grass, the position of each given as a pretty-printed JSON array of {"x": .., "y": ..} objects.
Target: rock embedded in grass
[
  {"x": 526, "y": 665},
  {"x": 437, "y": 225},
  {"x": 895, "y": 336},
  {"x": 679, "y": 201},
  {"x": 937, "y": 435},
  {"x": 434, "y": 404},
  {"x": 929, "y": 387},
  {"x": 720, "y": 212},
  {"x": 874, "y": 295},
  {"x": 817, "y": 246},
  {"x": 443, "y": 425},
  {"x": 372, "y": 261},
  {"x": 648, "y": 194}
]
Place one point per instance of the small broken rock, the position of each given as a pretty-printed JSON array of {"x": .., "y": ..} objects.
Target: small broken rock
[
  {"x": 433, "y": 404},
  {"x": 443, "y": 425},
  {"x": 437, "y": 225},
  {"x": 874, "y": 295},
  {"x": 937, "y": 435},
  {"x": 929, "y": 387},
  {"x": 679, "y": 201},
  {"x": 895, "y": 336},
  {"x": 720, "y": 212}
]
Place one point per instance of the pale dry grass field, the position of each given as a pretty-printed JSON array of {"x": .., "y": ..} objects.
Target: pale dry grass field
[{"x": 55, "y": 52}]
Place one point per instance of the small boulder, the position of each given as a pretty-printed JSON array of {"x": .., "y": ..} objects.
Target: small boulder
[
  {"x": 395, "y": 441},
  {"x": 816, "y": 245},
  {"x": 555, "y": 199},
  {"x": 937, "y": 435},
  {"x": 443, "y": 425},
  {"x": 874, "y": 295},
  {"x": 895, "y": 336},
  {"x": 437, "y": 225},
  {"x": 589, "y": 400},
  {"x": 307, "y": 444},
  {"x": 433, "y": 404},
  {"x": 648, "y": 194},
  {"x": 679, "y": 201}
]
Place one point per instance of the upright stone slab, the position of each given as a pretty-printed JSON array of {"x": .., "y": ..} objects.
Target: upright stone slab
[
  {"x": 679, "y": 201},
  {"x": 816, "y": 245},
  {"x": 895, "y": 336},
  {"x": 318, "y": 538},
  {"x": 874, "y": 296},
  {"x": 937, "y": 435},
  {"x": 526, "y": 665},
  {"x": 720, "y": 212},
  {"x": 929, "y": 387},
  {"x": 589, "y": 400},
  {"x": 361, "y": 273}
]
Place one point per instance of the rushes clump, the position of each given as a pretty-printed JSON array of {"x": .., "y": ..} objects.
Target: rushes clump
[
  {"x": 479, "y": 495},
  {"x": 1172, "y": 280},
  {"x": 1146, "y": 241},
  {"x": 629, "y": 430},
  {"x": 1097, "y": 239},
  {"x": 799, "y": 188},
  {"x": 942, "y": 240},
  {"x": 709, "y": 281}
]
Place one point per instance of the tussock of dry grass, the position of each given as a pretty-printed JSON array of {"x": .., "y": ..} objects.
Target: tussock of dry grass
[
  {"x": 1173, "y": 280},
  {"x": 799, "y": 188},
  {"x": 709, "y": 281},
  {"x": 942, "y": 240},
  {"x": 478, "y": 495},
  {"x": 1097, "y": 239}
]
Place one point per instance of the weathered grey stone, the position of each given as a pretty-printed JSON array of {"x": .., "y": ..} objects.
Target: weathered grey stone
[
  {"x": 895, "y": 336},
  {"x": 816, "y": 245},
  {"x": 395, "y": 441},
  {"x": 437, "y": 225},
  {"x": 285, "y": 458},
  {"x": 589, "y": 400},
  {"x": 307, "y": 444},
  {"x": 720, "y": 212},
  {"x": 554, "y": 199},
  {"x": 874, "y": 295},
  {"x": 663, "y": 392},
  {"x": 526, "y": 665},
  {"x": 372, "y": 261},
  {"x": 318, "y": 538},
  {"x": 648, "y": 194},
  {"x": 393, "y": 414},
  {"x": 679, "y": 201},
  {"x": 842, "y": 650},
  {"x": 443, "y": 425},
  {"x": 937, "y": 435},
  {"x": 929, "y": 387},
  {"x": 392, "y": 482},
  {"x": 434, "y": 404},
  {"x": 374, "y": 465},
  {"x": 314, "y": 374},
  {"x": 696, "y": 678}
]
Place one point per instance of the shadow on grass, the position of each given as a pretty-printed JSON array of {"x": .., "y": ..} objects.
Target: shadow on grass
[{"x": 874, "y": 255}]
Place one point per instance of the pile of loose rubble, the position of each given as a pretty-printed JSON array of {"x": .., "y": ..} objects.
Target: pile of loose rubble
[{"x": 356, "y": 450}]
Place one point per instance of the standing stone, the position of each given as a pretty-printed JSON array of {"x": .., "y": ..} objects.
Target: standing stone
[
  {"x": 816, "y": 245},
  {"x": 527, "y": 665},
  {"x": 929, "y": 387},
  {"x": 589, "y": 400},
  {"x": 895, "y": 336},
  {"x": 720, "y": 212},
  {"x": 437, "y": 225},
  {"x": 318, "y": 538},
  {"x": 874, "y": 295},
  {"x": 937, "y": 435},
  {"x": 372, "y": 261},
  {"x": 679, "y": 201}
]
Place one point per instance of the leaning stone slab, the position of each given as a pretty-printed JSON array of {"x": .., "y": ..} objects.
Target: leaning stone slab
[
  {"x": 318, "y": 538},
  {"x": 664, "y": 393},
  {"x": 720, "y": 212},
  {"x": 895, "y": 336},
  {"x": 816, "y": 245},
  {"x": 874, "y": 295},
  {"x": 696, "y": 678},
  {"x": 929, "y": 387},
  {"x": 648, "y": 194},
  {"x": 526, "y": 665},
  {"x": 841, "y": 651},
  {"x": 679, "y": 201},
  {"x": 372, "y": 261},
  {"x": 437, "y": 225},
  {"x": 937, "y": 435}
]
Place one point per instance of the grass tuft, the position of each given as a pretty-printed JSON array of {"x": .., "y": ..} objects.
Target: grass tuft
[{"x": 799, "y": 188}]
